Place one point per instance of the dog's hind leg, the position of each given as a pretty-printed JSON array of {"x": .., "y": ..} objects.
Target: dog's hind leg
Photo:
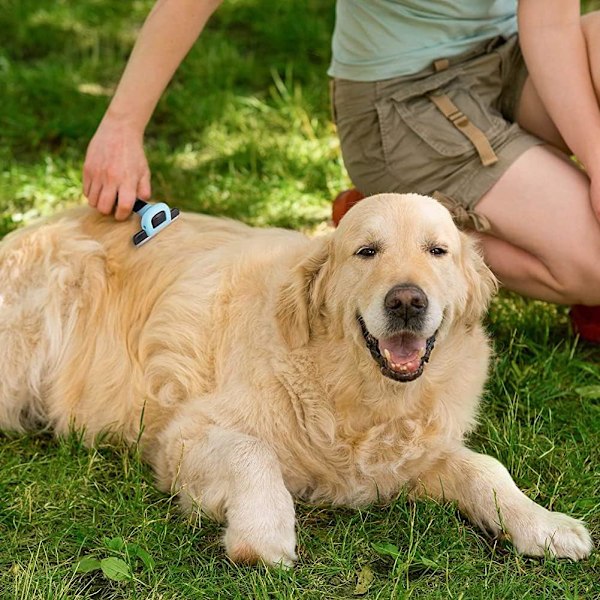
[
  {"x": 21, "y": 337},
  {"x": 231, "y": 477},
  {"x": 486, "y": 493},
  {"x": 43, "y": 271}
]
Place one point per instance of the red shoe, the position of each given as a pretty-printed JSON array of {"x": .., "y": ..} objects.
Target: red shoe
[
  {"x": 343, "y": 202},
  {"x": 586, "y": 322}
]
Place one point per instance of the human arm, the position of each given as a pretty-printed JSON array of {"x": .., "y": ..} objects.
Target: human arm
[
  {"x": 554, "y": 47},
  {"x": 115, "y": 162}
]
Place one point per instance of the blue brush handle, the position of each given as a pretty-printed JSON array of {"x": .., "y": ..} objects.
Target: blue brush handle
[{"x": 155, "y": 217}]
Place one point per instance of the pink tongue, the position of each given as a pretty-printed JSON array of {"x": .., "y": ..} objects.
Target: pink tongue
[{"x": 404, "y": 349}]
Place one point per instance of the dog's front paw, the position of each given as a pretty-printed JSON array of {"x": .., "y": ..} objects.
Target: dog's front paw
[
  {"x": 542, "y": 531},
  {"x": 259, "y": 535}
]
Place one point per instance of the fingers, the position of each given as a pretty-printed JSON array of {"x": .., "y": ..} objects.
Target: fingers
[
  {"x": 128, "y": 193},
  {"x": 93, "y": 194},
  {"x": 87, "y": 181},
  {"x": 126, "y": 201},
  {"x": 107, "y": 198},
  {"x": 115, "y": 167},
  {"x": 144, "y": 190}
]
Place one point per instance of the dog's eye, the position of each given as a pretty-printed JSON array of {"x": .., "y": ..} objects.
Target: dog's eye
[
  {"x": 438, "y": 251},
  {"x": 366, "y": 251}
]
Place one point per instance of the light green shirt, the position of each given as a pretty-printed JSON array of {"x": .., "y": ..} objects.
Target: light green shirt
[{"x": 381, "y": 39}]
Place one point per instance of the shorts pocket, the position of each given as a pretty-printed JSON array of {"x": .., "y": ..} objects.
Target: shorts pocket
[{"x": 412, "y": 104}]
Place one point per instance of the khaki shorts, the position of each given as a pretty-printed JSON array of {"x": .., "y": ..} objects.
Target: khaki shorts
[{"x": 398, "y": 136}]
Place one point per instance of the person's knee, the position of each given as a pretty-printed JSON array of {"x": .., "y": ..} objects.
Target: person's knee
[{"x": 579, "y": 282}]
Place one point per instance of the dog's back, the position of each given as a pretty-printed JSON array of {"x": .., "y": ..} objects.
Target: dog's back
[{"x": 93, "y": 331}]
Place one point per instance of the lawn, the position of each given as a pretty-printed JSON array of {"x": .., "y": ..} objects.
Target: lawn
[{"x": 244, "y": 131}]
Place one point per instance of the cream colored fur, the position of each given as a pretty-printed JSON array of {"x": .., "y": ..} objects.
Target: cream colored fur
[{"x": 234, "y": 355}]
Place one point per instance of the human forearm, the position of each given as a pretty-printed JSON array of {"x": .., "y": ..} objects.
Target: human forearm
[
  {"x": 554, "y": 48},
  {"x": 167, "y": 35},
  {"x": 115, "y": 164}
]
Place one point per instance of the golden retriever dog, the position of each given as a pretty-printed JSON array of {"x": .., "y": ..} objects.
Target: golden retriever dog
[{"x": 258, "y": 365}]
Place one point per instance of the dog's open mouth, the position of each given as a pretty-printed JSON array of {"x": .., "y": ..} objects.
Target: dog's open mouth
[{"x": 400, "y": 357}]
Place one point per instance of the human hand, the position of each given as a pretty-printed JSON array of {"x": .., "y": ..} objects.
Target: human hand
[{"x": 116, "y": 166}]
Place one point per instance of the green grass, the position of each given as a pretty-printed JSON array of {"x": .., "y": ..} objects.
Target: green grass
[{"x": 244, "y": 131}]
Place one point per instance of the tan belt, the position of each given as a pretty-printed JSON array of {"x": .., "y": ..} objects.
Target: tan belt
[{"x": 462, "y": 123}]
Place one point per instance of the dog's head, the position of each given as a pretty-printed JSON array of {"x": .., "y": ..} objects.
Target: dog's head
[{"x": 395, "y": 275}]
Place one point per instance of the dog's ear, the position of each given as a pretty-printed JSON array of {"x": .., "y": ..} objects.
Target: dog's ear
[
  {"x": 302, "y": 294},
  {"x": 481, "y": 282}
]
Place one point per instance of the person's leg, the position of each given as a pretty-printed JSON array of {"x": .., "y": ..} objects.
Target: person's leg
[
  {"x": 548, "y": 251},
  {"x": 532, "y": 116},
  {"x": 545, "y": 241},
  {"x": 591, "y": 31},
  {"x": 531, "y": 113}
]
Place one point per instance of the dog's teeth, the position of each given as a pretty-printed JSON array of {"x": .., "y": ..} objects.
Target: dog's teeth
[{"x": 388, "y": 356}]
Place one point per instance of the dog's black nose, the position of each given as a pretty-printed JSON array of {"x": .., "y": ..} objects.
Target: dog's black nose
[{"x": 406, "y": 301}]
